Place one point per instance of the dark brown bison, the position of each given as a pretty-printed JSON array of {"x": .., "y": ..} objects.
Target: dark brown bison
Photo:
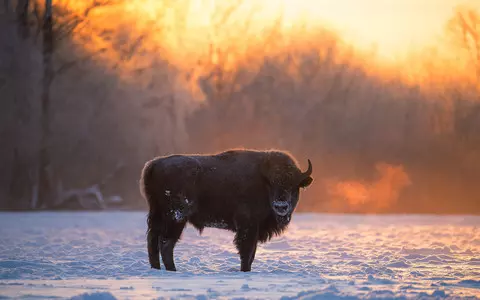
[{"x": 252, "y": 193}]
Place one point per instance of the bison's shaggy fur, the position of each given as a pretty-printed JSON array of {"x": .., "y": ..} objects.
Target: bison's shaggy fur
[{"x": 252, "y": 193}]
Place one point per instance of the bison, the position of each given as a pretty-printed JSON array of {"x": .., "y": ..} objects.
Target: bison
[{"x": 252, "y": 193}]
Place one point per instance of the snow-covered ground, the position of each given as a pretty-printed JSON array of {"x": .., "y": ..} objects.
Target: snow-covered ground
[{"x": 103, "y": 255}]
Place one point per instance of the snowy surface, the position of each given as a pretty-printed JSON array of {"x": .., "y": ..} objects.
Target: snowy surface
[{"x": 103, "y": 256}]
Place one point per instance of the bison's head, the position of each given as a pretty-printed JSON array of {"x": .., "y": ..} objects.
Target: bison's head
[{"x": 284, "y": 181}]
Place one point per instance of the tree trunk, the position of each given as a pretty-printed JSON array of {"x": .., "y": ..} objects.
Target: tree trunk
[
  {"x": 19, "y": 105},
  {"x": 45, "y": 187},
  {"x": 22, "y": 17}
]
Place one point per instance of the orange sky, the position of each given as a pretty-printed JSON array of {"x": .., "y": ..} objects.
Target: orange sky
[{"x": 393, "y": 27}]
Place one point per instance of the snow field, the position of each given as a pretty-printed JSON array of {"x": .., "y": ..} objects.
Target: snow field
[{"x": 103, "y": 255}]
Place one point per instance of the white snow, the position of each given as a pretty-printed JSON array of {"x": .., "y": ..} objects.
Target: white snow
[
  {"x": 103, "y": 255},
  {"x": 178, "y": 215}
]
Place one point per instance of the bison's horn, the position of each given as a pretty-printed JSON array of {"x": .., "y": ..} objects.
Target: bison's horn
[{"x": 308, "y": 172}]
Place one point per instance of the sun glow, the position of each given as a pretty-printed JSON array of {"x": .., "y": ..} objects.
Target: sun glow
[
  {"x": 388, "y": 33},
  {"x": 391, "y": 27},
  {"x": 187, "y": 29}
]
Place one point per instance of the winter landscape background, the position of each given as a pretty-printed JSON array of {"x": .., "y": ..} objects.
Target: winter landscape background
[
  {"x": 381, "y": 95},
  {"x": 390, "y": 117},
  {"x": 103, "y": 255}
]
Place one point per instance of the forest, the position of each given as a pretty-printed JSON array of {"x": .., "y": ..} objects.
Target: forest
[{"x": 90, "y": 90}]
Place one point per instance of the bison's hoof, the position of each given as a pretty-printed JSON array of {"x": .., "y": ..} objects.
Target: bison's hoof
[{"x": 155, "y": 266}]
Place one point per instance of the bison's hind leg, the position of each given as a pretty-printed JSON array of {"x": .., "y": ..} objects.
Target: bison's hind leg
[
  {"x": 169, "y": 237},
  {"x": 153, "y": 233}
]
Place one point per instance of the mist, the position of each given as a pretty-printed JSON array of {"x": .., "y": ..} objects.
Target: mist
[{"x": 398, "y": 138}]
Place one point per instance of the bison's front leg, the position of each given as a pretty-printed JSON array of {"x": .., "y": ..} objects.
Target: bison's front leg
[
  {"x": 246, "y": 242},
  {"x": 172, "y": 233}
]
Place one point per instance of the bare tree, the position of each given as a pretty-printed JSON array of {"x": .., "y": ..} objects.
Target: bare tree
[
  {"x": 45, "y": 187},
  {"x": 465, "y": 29},
  {"x": 47, "y": 193}
]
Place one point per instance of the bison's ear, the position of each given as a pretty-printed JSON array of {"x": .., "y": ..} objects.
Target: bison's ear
[{"x": 306, "y": 182}]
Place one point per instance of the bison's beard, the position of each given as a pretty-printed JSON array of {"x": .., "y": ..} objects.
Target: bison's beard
[{"x": 283, "y": 220}]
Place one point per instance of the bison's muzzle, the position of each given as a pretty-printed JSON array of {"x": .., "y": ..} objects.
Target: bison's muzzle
[{"x": 281, "y": 208}]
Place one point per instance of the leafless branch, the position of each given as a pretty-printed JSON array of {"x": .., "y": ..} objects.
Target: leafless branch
[
  {"x": 97, "y": 4},
  {"x": 73, "y": 21},
  {"x": 133, "y": 47},
  {"x": 68, "y": 65},
  {"x": 66, "y": 28}
]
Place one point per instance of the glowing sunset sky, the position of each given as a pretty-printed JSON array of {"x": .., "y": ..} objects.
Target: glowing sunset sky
[{"x": 392, "y": 27}]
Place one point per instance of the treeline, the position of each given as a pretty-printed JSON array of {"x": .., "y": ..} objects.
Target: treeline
[{"x": 378, "y": 142}]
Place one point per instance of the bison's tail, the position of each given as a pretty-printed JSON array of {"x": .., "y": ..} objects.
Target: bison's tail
[{"x": 146, "y": 181}]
